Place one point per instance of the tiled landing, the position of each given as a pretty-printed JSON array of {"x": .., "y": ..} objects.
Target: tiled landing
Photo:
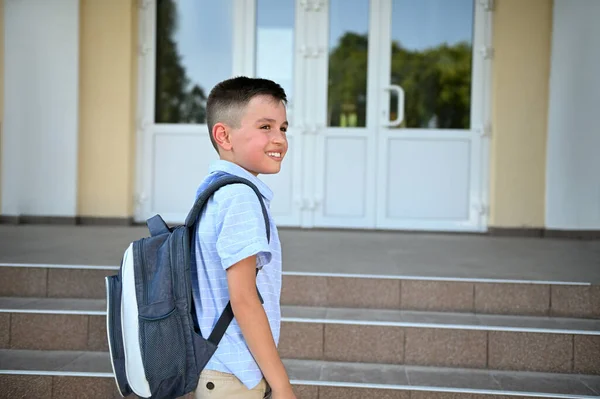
[{"x": 353, "y": 252}]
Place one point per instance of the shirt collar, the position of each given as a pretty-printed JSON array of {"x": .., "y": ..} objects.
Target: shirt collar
[{"x": 236, "y": 170}]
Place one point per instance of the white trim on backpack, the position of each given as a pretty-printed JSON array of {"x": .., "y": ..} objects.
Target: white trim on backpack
[{"x": 134, "y": 366}]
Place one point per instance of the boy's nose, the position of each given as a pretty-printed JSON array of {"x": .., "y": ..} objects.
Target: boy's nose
[{"x": 279, "y": 138}]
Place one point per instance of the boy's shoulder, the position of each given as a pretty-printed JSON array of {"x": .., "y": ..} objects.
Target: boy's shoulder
[
  {"x": 233, "y": 194},
  {"x": 227, "y": 192},
  {"x": 236, "y": 202}
]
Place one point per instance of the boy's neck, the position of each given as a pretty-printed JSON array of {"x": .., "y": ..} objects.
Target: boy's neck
[{"x": 222, "y": 158}]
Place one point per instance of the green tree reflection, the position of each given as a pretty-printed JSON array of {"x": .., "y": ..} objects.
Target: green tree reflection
[
  {"x": 177, "y": 100},
  {"x": 436, "y": 82},
  {"x": 348, "y": 81}
]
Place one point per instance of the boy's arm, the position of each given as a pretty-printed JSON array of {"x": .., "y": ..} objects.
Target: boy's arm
[{"x": 252, "y": 319}]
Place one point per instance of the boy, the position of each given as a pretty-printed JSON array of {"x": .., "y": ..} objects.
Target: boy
[{"x": 247, "y": 125}]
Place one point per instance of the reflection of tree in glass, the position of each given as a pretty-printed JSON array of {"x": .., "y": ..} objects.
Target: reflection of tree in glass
[
  {"x": 436, "y": 82},
  {"x": 176, "y": 102},
  {"x": 348, "y": 82}
]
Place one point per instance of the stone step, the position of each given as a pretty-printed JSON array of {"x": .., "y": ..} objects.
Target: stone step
[
  {"x": 484, "y": 296},
  {"x": 520, "y": 343},
  {"x": 49, "y": 374}
]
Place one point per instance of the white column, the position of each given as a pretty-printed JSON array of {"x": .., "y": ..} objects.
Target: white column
[
  {"x": 39, "y": 149},
  {"x": 573, "y": 155}
]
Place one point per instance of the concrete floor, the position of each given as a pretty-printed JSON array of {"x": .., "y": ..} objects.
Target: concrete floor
[{"x": 351, "y": 252}]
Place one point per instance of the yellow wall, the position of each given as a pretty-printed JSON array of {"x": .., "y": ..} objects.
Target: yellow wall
[
  {"x": 108, "y": 76},
  {"x": 522, "y": 40}
]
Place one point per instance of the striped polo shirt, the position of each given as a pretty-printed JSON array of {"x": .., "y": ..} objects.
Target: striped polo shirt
[{"x": 232, "y": 228}]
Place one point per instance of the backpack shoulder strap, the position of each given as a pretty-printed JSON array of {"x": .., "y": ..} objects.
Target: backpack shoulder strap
[
  {"x": 226, "y": 180},
  {"x": 191, "y": 220},
  {"x": 223, "y": 322}
]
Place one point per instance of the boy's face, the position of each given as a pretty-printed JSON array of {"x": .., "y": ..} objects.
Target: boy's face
[{"x": 260, "y": 143}]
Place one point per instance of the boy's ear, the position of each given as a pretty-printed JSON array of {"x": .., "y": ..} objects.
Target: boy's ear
[{"x": 221, "y": 135}]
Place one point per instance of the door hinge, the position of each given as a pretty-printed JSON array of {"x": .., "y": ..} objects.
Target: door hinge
[
  {"x": 485, "y": 130},
  {"x": 143, "y": 124},
  {"x": 309, "y": 131},
  {"x": 141, "y": 198},
  {"x": 312, "y": 5},
  {"x": 481, "y": 209},
  {"x": 143, "y": 4},
  {"x": 311, "y": 52},
  {"x": 143, "y": 50},
  {"x": 488, "y": 5},
  {"x": 318, "y": 5},
  {"x": 315, "y": 129},
  {"x": 487, "y": 52},
  {"x": 308, "y": 204}
]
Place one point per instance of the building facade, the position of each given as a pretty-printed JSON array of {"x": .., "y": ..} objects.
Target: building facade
[{"x": 460, "y": 116}]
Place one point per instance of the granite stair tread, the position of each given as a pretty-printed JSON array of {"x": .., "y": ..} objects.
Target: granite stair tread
[
  {"x": 339, "y": 374},
  {"x": 53, "y": 305},
  {"x": 381, "y": 317}
]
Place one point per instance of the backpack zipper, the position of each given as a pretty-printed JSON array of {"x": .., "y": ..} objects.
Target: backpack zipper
[
  {"x": 116, "y": 342},
  {"x": 143, "y": 269},
  {"x": 174, "y": 281},
  {"x": 181, "y": 281}
]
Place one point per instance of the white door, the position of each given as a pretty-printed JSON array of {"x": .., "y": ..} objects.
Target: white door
[
  {"x": 432, "y": 145},
  {"x": 346, "y": 117},
  {"x": 188, "y": 46},
  {"x": 400, "y": 114}
]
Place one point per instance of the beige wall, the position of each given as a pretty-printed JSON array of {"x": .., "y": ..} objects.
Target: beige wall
[
  {"x": 108, "y": 76},
  {"x": 521, "y": 67}
]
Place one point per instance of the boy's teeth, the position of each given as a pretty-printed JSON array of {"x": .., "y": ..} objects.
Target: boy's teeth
[{"x": 274, "y": 154}]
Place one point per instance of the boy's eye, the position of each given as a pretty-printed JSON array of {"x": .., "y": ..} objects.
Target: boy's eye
[
  {"x": 284, "y": 129},
  {"x": 266, "y": 127}
]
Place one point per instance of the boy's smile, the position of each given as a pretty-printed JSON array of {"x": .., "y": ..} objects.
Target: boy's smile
[{"x": 275, "y": 155}]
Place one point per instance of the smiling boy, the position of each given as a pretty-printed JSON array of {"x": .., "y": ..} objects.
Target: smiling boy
[{"x": 247, "y": 124}]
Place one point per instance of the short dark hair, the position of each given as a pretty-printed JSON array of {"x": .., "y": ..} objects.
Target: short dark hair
[{"x": 228, "y": 99}]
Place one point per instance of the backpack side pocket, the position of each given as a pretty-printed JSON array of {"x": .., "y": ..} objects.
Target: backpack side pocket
[{"x": 164, "y": 352}]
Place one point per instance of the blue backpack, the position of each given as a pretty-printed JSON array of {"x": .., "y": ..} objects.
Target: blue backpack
[{"x": 156, "y": 348}]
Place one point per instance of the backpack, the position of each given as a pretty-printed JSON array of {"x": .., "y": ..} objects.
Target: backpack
[{"x": 156, "y": 348}]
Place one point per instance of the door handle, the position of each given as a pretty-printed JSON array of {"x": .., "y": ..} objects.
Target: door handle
[{"x": 400, "y": 110}]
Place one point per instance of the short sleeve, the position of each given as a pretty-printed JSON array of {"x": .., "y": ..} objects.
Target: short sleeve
[{"x": 242, "y": 231}]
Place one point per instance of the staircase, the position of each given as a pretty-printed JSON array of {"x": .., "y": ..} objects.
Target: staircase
[{"x": 343, "y": 336}]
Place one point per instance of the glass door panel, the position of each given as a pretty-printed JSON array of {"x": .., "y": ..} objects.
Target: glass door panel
[
  {"x": 192, "y": 37},
  {"x": 348, "y": 57},
  {"x": 274, "y": 58},
  {"x": 431, "y": 62}
]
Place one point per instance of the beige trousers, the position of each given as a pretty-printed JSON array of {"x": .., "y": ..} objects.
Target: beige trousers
[{"x": 214, "y": 384}]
